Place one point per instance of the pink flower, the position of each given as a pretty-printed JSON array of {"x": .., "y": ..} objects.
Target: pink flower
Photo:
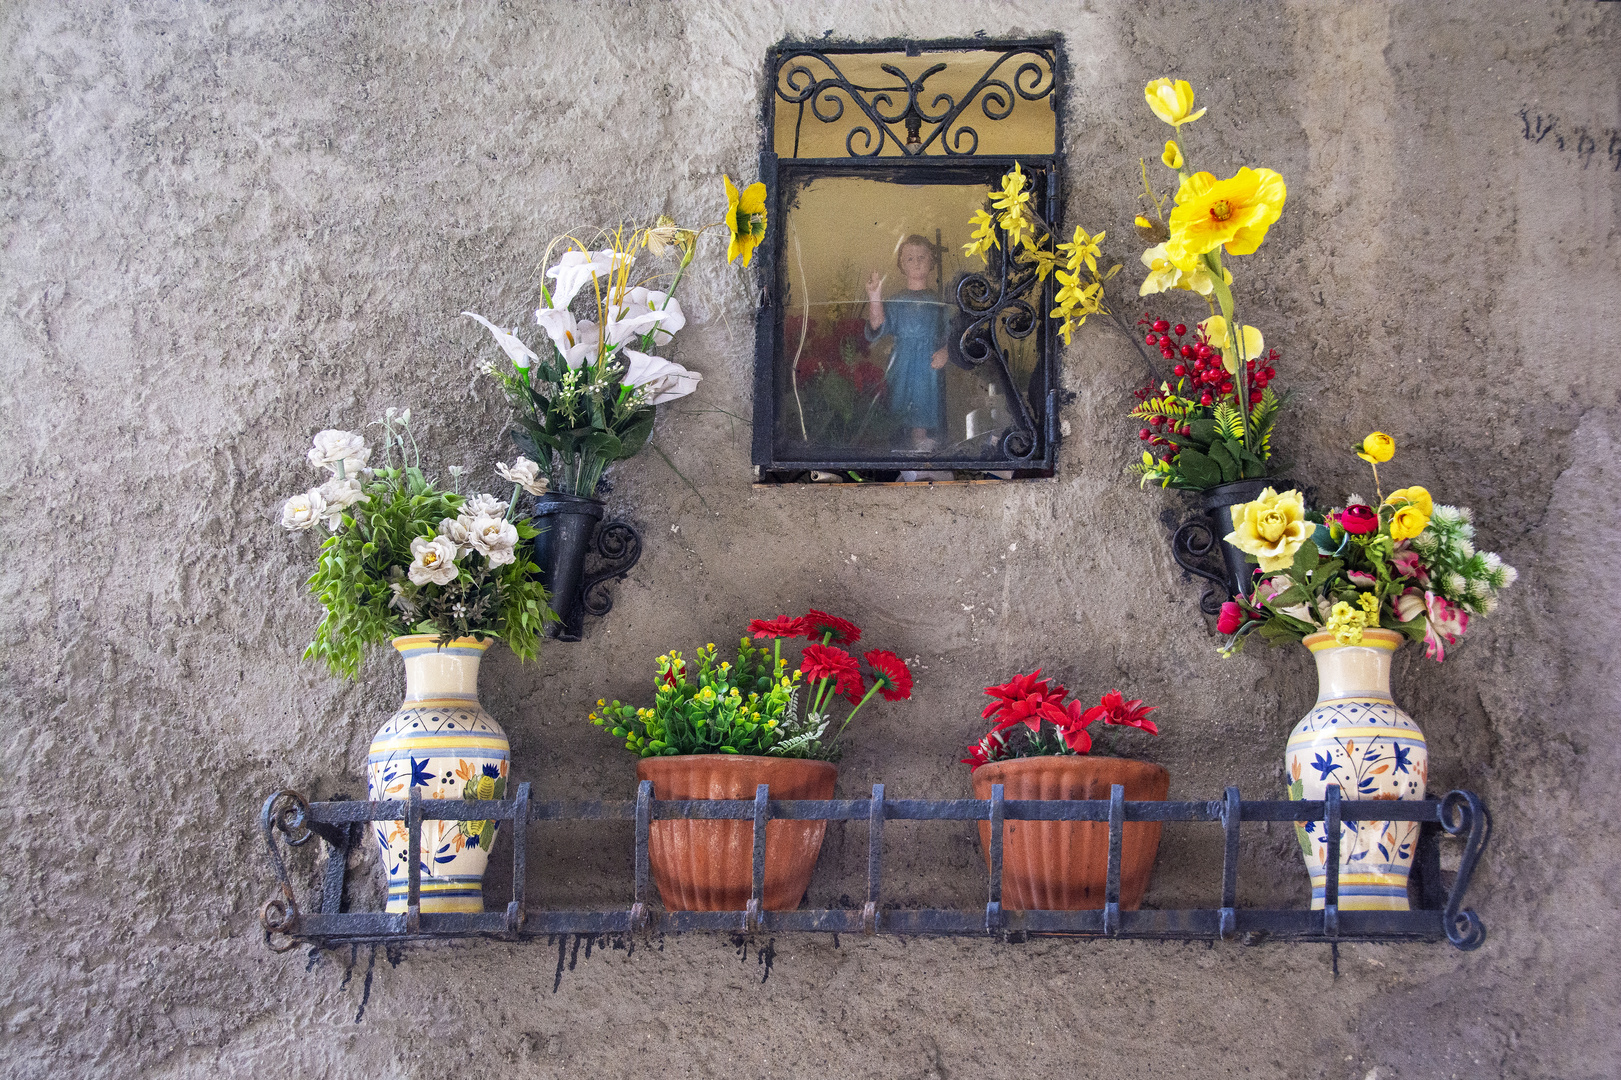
[
  {"x": 1408, "y": 565},
  {"x": 1359, "y": 518},
  {"x": 1446, "y": 621},
  {"x": 1231, "y": 618},
  {"x": 1410, "y": 605},
  {"x": 1362, "y": 579}
]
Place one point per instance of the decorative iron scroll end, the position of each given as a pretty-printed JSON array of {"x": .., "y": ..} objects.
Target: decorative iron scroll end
[
  {"x": 1190, "y": 543},
  {"x": 1463, "y": 811},
  {"x": 621, "y": 545}
]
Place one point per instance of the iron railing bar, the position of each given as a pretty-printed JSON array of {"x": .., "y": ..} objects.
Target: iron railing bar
[
  {"x": 875, "y": 860},
  {"x": 762, "y": 813},
  {"x": 1230, "y": 818},
  {"x": 516, "y": 910},
  {"x": 1111, "y": 887},
  {"x": 644, "y": 828},
  {"x": 1331, "y": 882},
  {"x": 413, "y": 869},
  {"x": 993, "y": 907}
]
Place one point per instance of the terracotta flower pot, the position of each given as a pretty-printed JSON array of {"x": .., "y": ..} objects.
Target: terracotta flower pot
[
  {"x": 1064, "y": 865},
  {"x": 708, "y": 865}
]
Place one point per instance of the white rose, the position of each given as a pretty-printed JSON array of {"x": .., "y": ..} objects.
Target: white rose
[
  {"x": 340, "y": 495},
  {"x": 432, "y": 561},
  {"x": 482, "y": 505},
  {"x": 526, "y": 474},
  {"x": 496, "y": 539},
  {"x": 457, "y": 532},
  {"x": 302, "y": 511},
  {"x": 332, "y": 447}
]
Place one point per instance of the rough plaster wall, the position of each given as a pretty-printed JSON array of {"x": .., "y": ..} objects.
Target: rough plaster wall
[{"x": 228, "y": 225}]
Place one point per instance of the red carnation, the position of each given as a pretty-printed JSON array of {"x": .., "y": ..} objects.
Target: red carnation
[
  {"x": 825, "y": 662},
  {"x": 1114, "y": 709},
  {"x": 819, "y": 625},
  {"x": 891, "y": 673},
  {"x": 1359, "y": 518},
  {"x": 780, "y": 627}
]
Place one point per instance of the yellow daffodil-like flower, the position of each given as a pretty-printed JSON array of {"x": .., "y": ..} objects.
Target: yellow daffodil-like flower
[
  {"x": 1377, "y": 449},
  {"x": 984, "y": 237},
  {"x": 745, "y": 218},
  {"x": 1370, "y": 607},
  {"x": 1215, "y": 332},
  {"x": 1346, "y": 623},
  {"x": 1271, "y": 528},
  {"x": 1408, "y": 523},
  {"x": 1234, "y": 214},
  {"x": 1164, "y": 275},
  {"x": 1413, "y": 496},
  {"x": 1142, "y": 222},
  {"x": 1172, "y": 102},
  {"x": 1172, "y": 155}
]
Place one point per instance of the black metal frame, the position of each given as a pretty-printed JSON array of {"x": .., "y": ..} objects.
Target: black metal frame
[
  {"x": 991, "y": 300},
  {"x": 340, "y": 825}
]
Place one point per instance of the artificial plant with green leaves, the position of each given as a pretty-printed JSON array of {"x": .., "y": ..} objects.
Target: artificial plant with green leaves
[{"x": 404, "y": 555}]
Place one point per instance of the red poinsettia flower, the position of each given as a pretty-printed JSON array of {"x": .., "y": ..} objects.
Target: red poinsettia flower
[
  {"x": 1114, "y": 709},
  {"x": 819, "y": 624},
  {"x": 1017, "y": 689},
  {"x": 780, "y": 627},
  {"x": 892, "y": 673},
  {"x": 826, "y": 662},
  {"x": 977, "y": 756}
]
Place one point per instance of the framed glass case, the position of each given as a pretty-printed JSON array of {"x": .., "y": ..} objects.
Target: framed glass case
[{"x": 881, "y": 350}]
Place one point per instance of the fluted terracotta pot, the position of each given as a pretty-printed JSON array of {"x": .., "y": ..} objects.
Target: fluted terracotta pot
[
  {"x": 708, "y": 865},
  {"x": 1064, "y": 865}
]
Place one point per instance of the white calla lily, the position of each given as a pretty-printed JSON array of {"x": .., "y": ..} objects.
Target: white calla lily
[
  {"x": 522, "y": 356},
  {"x": 664, "y": 380},
  {"x": 646, "y": 309},
  {"x": 576, "y": 268}
]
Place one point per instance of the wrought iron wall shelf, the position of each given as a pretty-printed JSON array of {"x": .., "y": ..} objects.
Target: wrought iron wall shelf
[{"x": 340, "y": 825}]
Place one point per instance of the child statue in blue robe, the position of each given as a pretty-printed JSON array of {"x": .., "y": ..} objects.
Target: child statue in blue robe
[{"x": 917, "y": 320}]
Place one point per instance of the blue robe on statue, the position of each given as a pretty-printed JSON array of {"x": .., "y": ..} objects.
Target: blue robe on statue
[{"x": 917, "y": 319}]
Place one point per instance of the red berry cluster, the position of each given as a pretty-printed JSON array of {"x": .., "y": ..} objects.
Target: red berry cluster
[{"x": 1201, "y": 365}]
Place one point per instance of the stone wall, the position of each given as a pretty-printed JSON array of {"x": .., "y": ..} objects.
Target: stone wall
[{"x": 228, "y": 225}]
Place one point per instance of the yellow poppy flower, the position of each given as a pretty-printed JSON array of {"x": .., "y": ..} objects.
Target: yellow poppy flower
[
  {"x": 745, "y": 218},
  {"x": 1416, "y": 497},
  {"x": 1215, "y": 332},
  {"x": 1377, "y": 449},
  {"x": 1172, "y": 102},
  {"x": 1172, "y": 155},
  {"x": 1234, "y": 214}
]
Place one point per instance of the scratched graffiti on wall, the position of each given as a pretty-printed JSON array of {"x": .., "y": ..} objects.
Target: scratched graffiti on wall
[{"x": 1579, "y": 141}]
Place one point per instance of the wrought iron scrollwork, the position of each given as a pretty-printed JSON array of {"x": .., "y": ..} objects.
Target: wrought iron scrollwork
[
  {"x": 288, "y": 813},
  {"x": 906, "y": 104},
  {"x": 1462, "y": 811},
  {"x": 996, "y": 302},
  {"x": 1190, "y": 545},
  {"x": 621, "y": 545}
]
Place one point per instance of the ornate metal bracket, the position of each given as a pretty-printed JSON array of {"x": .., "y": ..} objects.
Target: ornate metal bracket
[
  {"x": 621, "y": 545},
  {"x": 890, "y": 107},
  {"x": 1190, "y": 544},
  {"x": 1002, "y": 303}
]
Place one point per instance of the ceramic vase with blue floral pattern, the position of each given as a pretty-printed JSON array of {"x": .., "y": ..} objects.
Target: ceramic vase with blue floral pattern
[
  {"x": 1358, "y": 738},
  {"x": 442, "y": 741}
]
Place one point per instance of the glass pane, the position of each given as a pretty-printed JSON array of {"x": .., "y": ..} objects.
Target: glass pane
[
  {"x": 826, "y": 104},
  {"x": 870, "y": 364}
]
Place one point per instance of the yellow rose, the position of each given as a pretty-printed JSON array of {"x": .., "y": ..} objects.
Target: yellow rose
[
  {"x": 1415, "y": 496},
  {"x": 1172, "y": 102},
  {"x": 1271, "y": 528},
  {"x": 1408, "y": 523},
  {"x": 1377, "y": 448},
  {"x": 1172, "y": 155}
]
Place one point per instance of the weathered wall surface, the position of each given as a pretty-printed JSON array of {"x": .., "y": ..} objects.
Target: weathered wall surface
[{"x": 228, "y": 225}]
